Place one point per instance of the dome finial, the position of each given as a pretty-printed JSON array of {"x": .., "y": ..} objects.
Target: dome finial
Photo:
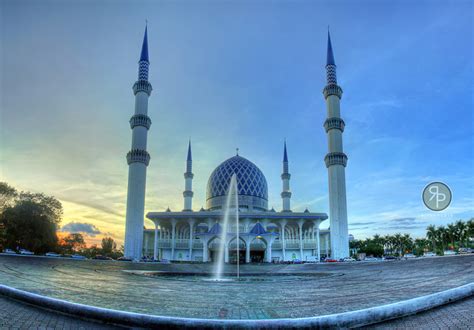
[{"x": 236, "y": 151}]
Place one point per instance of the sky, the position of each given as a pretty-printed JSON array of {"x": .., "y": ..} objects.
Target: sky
[{"x": 247, "y": 75}]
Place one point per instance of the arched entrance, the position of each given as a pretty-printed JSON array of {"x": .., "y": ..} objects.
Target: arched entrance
[
  {"x": 258, "y": 247},
  {"x": 233, "y": 250},
  {"x": 213, "y": 247}
]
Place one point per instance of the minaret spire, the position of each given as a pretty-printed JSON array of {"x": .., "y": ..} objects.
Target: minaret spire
[
  {"x": 144, "y": 63},
  {"x": 330, "y": 55},
  {"x": 138, "y": 159},
  {"x": 188, "y": 181},
  {"x": 330, "y": 64},
  {"x": 336, "y": 161},
  {"x": 144, "y": 53},
  {"x": 190, "y": 157},
  {"x": 285, "y": 177}
]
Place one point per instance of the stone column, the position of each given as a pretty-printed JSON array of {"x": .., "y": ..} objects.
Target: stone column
[
  {"x": 146, "y": 244},
  {"x": 191, "y": 236},
  {"x": 226, "y": 254},
  {"x": 300, "y": 231},
  {"x": 247, "y": 251},
  {"x": 327, "y": 245},
  {"x": 317, "y": 244},
  {"x": 282, "y": 238},
  {"x": 318, "y": 248},
  {"x": 173, "y": 237},
  {"x": 269, "y": 252},
  {"x": 205, "y": 250},
  {"x": 155, "y": 243}
]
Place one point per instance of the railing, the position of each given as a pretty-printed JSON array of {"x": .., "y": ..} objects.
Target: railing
[{"x": 277, "y": 245}]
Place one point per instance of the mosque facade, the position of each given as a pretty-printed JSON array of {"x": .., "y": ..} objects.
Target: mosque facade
[{"x": 264, "y": 235}]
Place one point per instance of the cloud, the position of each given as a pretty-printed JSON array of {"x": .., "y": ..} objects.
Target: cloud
[
  {"x": 404, "y": 226},
  {"x": 404, "y": 220},
  {"x": 81, "y": 227},
  {"x": 357, "y": 224},
  {"x": 95, "y": 206}
]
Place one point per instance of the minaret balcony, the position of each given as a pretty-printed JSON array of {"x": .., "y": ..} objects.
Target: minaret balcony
[
  {"x": 334, "y": 123},
  {"x": 138, "y": 156},
  {"x": 142, "y": 86},
  {"x": 188, "y": 175},
  {"x": 188, "y": 193},
  {"x": 335, "y": 158},
  {"x": 332, "y": 89},
  {"x": 286, "y": 194},
  {"x": 140, "y": 120},
  {"x": 286, "y": 176}
]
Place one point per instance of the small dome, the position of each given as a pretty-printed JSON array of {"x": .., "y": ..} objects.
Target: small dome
[{"x": 251, "y": 183}]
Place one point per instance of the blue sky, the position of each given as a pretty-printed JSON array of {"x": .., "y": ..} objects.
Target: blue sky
[{"x": 241, "y": 74}]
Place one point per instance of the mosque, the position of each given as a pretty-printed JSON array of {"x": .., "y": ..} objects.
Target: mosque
[{"x": 265, "y": 235}]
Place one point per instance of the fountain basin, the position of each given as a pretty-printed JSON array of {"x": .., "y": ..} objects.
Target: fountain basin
[{"x": 231, "y": 276}]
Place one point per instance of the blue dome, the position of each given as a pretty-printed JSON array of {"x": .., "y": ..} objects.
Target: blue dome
[{"x": 251, "y": 183}]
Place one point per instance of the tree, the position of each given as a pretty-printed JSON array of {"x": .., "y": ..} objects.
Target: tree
[
  {"x": 389, "y": 243},
  {"x": 7, "y": 196},
  {"x": 442, "y": 238},
  {"x": 420, "y": 245},
  {"x": 462, "y": 232},
  {"x": 397, "y": 240},
  {"x": 371, "y": 248},
  {"x": 73, "y": 243},
  {"x": 470, "y": 228},
  {"x": 108, "y": 246},
  {"x": 431, "y": 234},
  {"x": 28, "y": 226},
  {"x": 407, "y": 243},
  {"x": 452, "y": 232},
  {"x": 91, "y": 252},
  {"x": 48, "y": 205}
]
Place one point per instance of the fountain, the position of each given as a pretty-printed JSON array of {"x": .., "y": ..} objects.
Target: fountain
[{"x": 231, "y": 204}]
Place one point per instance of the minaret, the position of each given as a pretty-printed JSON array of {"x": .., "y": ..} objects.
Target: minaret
[
  {"x": 138, "y": 159},
  {"x": 188, "y": 182},
  {"x": 285, "y": 177},
  {"x": 336, "y": 161}
]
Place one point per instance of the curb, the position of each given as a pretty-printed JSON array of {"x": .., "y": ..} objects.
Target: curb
[{"x": 341, "y": 320}]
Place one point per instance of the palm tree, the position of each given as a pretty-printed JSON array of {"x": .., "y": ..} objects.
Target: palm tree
[
  {"x": 379, "y": 241},
  {"x": 442, "y": 235},
  {"x": 420, "y": 245},
  {"x": 470, "y": 228},
  {"x": 462, "y": 231},
  {"x": 398, "y": 243},
  {"x": 452, "y": 233},
  {"x": 431, "y": 234},
  {"x": 407, "y": 242},
  {"x": 388, "y": 243},
  {"x": 376, "y": 239}
]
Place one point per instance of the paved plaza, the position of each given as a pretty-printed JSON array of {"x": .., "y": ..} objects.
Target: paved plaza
[
  {"x": 17, "y": 315},
  {"x": 458, "y": 315},
  {"x": 315, "y": 290}
]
